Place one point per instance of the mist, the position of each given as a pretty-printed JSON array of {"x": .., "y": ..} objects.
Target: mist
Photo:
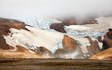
[{"x": 56, "y": 8}]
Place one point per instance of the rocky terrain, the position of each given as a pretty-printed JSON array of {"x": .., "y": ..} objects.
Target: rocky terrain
[{"x": 67, "y": 39}]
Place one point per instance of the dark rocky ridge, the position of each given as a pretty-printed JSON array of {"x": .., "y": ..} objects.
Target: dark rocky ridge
[
  {"x": 107, "y": 41},
  {"x": 66, "y": 22}
]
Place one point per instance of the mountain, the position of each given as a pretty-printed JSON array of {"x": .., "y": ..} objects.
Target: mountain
[{"x": 20, "y": 40}]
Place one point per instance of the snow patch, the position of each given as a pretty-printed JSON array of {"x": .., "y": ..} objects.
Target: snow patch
[
  {"x": 77, "y": 27},
  {"x": 34, "y": 38},
  {"x": 10, "y": 42}
]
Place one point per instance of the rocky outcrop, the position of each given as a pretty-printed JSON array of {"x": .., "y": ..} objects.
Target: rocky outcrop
[
  {"x": 107, "y": 41},
  {"x": 104, "y": 55},
  {"x": 58, "y": 27},
  {"x": 69, "y": 43},
  {"x": 42, "y": 51},
  {"x": 78, "y": 48},
  {"x": 3, "y": 44},
  {"x": 71, "y": 49},
  {"x": 67, "y": 22},
  {"x": 6, "y": 24},
  {"x": 94, "y": 47}
]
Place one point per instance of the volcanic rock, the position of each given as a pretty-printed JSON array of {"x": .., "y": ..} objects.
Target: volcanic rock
[
  {"x": 104, "y": 55},
  {"x": 58, "y": 27},
  {"x": 94, "y": 47},
  {"x": 69, "y": 43},
  {"x": 107, "y": 41}
]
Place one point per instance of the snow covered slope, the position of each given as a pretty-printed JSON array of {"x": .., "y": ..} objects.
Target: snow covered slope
[
  {"x": 14, "y": 33},
  {"x": 93, "y": 30}
]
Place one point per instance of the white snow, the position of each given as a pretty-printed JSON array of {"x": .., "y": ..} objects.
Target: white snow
[
  {"x": 35, "y": 21},
  {"x": 37, "y": 37},
  {"x": 10, "y": 42},
  {"x": 93, "y": 30},
  {"x": 84, "y": 42},
  {"x": 33, "y": 38},
  {"x": 78, "y": 27}
]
